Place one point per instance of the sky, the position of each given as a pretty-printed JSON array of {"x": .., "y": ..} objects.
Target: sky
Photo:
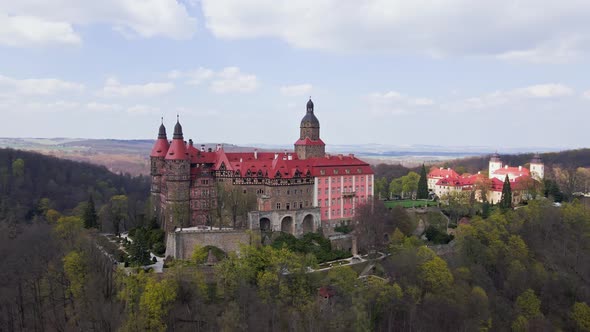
[{"x": 441, "y": 72}]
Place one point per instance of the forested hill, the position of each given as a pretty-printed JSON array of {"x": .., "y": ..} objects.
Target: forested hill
[
  {"x": 31, "y": 182},
  {"x": 565, "y": 159}
]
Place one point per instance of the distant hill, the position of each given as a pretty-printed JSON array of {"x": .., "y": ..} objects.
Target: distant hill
[
  {"x": 27, "y": 177},
  {"x": 118, "y": 156},
  {"x": 567, "y": 159}
]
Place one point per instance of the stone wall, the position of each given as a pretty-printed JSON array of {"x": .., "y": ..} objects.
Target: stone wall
[{"x": 180, "y": 244}]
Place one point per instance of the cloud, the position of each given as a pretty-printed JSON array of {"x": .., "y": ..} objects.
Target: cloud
[
  {"x": 37, "y": 22},
  {"x": 227, "y": 80},
  {"x": 28, "y": 30},
  {"x": 527, "y": 30},
  {"x": 142, "y": 109},
  {"x": 296, "y": 90},
  {"x": 586, "y": 94},
  {"x": 527, "y": 97},
  {"x": 193, "y": 77},
  {"x": 544, "y": 91},
  {"x": 394, "y": 102},
  {"x": 113, "y": 88},
  {"x": 37, "y": 86},
  {"x": 102, "y": 107}
]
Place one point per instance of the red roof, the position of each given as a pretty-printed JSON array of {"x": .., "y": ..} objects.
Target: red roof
[
  {"x": 308, "y": 141},
  {"x": 287, "y": 165},
  {"x": 512, "y": 170},
  {"x": 515, "y": 184},
  {"x": 177, "y": 150},
  {"x": 460, "y": 181},
  {"x": 439, "y": 173},
  {"x": 160, "y": 148}
]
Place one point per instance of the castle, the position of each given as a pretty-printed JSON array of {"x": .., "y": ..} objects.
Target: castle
[
  {"x": 294, "y": 192},
  {"x": 443, "y": 181}
]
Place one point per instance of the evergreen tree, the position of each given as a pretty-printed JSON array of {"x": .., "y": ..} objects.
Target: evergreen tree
[
  {"x": 422, "y": 192},
  {"x": 90, "y": 217},
  {"x": 506, "y": 200}
]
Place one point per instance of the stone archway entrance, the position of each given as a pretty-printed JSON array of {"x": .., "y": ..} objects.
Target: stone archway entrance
[
  {"x": 264, "y": 224},
  {"x": 287, "y": 225},
  {"x": 308, "y": 224}
]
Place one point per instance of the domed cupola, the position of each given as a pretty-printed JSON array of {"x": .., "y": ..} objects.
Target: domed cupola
[
  {"x": 310, "y": 120},
  {"x": 309, "y": 144}
]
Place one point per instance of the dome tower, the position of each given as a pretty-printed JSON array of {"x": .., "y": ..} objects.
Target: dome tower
[{"x": 309, "y": 144}]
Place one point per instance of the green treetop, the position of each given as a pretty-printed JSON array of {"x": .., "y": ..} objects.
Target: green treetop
[
  {"x": 422, "y": 191},
  {"x": 506, "y": 200}
]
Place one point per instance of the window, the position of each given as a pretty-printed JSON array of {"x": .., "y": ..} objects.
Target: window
[
  {"x": 326, "y": 213},
  {"x": 326, "y": 181},
  {"x": 287, "y": 206},
  {"x": 326, "y": 191},
  {"x": 288, "y": 192},
  {"x": 278, "y": 206},
  {"x": 327, "y": 203},
  {"x": 301, "y": 204},
  {"x": 322, "y": 172}
]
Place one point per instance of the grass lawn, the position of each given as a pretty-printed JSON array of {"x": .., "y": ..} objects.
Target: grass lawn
[{"x": 408, "y": 203}]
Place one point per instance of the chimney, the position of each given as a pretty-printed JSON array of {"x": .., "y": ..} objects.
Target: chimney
[
  {"x": 440, "y": 168},
  {"x": 190, "y": 142},
  {"x": 240, "y": 159},
  {"x": 505, "y": 166},
  {"x": 519, "y": 168},
  {"x": 340, "y": 156},
  {"x": 218, "y": 147},
  {"x": 289, "y": 157},
  {"x": 202, "y": 147},
  {"x": 210, "y": 150},
  {"x": 276, "y": 155},
  {"x": 255, "y": 153}
]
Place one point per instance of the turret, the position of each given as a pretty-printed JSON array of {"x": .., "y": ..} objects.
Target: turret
[
  {"x": 309, "y": 144},
  {"x": 495, "y": 164},
  {"x": 537, "y": 168},
  {"x": 157, "y": 169},
  {"x": 177, "y": 177}
]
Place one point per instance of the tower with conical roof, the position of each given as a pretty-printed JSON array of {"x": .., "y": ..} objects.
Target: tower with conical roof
[
  {"x": 157, "y": 165},
  {"x": 537, "y": 167},
  {"x": 309, "y": 144},
  {"x": 177, "y": 178}
]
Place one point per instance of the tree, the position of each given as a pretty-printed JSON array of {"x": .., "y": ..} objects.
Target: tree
[
  {"x": 410, "y": 183},
  {"x": 581, "y": 316},
  {"x": 528, "y": 305},
  {"x": 422, "y": 190},
  {"x": 156, "y": 301},
  {"x": 90, "y": 217},
  {"x": 506, "y": 200},
  {"x": 396, "y": 187},
  {"x": 118, "y": 209},
  {"x": 18, "y": 168}
]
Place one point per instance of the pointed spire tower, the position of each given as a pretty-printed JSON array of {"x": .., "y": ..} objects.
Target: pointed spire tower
[
  {"x": 177, "y": 182},
  {"x": 157, "y": 165},
  {"x": 309, "y": 144}
]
